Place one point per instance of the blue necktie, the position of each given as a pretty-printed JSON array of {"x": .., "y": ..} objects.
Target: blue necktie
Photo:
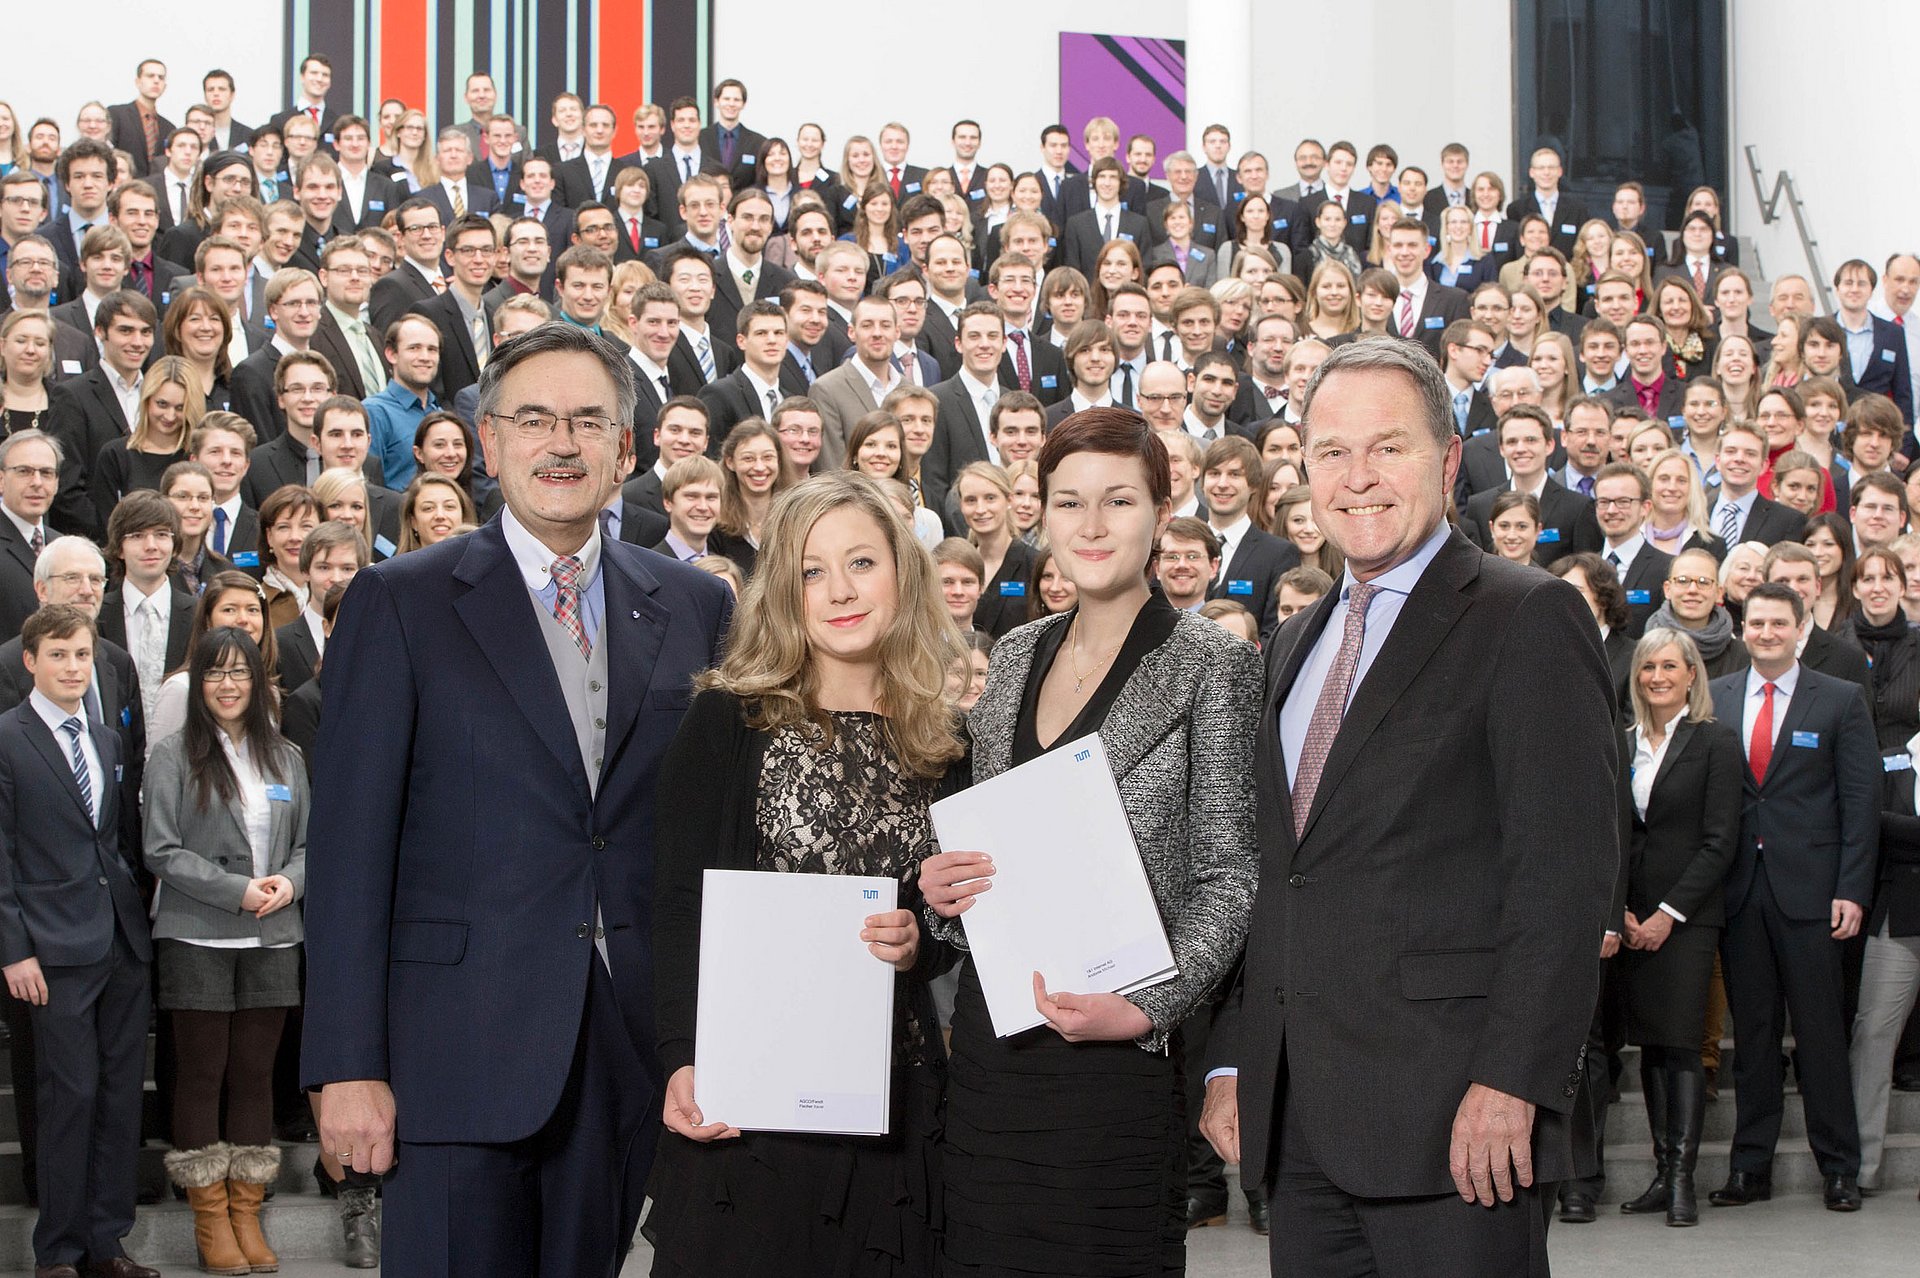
[
  {"x": 73, "y": 728},
  {"x": 219, "y": 531}
]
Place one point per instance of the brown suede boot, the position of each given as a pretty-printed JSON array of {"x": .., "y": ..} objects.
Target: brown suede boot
[
  {"x": 253, "y": 1169},
  {"x": 203, "y": 1174}
]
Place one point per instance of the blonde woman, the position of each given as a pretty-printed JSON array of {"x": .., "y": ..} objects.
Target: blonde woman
[
  {"x": 815, "y": 747},
  {"x": 1736, "y": 366},
  {"x": 1526, "y": 319},
  {"x": 1554, "y": 364},
  {"x": 1592, "y": 253},
  {"x": 629, "y": 277},
  {"x": 414, "y": 159},
  {"x": 1679, "y": 517},
  {"x": 171, "y": 406},
  {"x": 1333, "y": 303},
  {"x": 26, "y": 359},
  {"x": 1783, "y": 357},
  {"x": 986, "y": 505}
]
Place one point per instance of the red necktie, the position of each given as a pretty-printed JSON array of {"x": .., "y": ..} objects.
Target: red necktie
[
  {"x": 1760, "y": 747},
  {"x": 1900, "y": 320},
  {"x": 1699, "y": 278},
  {"x": 633, "y": 224},
  {"x": 894, "y": 182},
  {"x": 1486, "y": 236},
  {"x": 314, "y": 111},
  {"x": 1022, "y": 369},
  {"x": 1406, "y": 314}
]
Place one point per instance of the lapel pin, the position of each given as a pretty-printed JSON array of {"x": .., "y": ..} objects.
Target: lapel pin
[{"x": 636, "y": 615}]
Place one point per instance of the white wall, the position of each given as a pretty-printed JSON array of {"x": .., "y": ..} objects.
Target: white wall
[
  {"x": 1832, "y": 102},
  {"x": 195, "y": 37}
]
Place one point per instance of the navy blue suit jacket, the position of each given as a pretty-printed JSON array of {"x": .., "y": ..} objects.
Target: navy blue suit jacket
[
  {"x": 1817, "y": 814},
  {"x": 458, "y": 855},
  {"x": 1887, "y": 369}
]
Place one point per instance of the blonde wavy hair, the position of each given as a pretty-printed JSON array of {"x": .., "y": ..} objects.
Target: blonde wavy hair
[{"x": 770, "y": 666}]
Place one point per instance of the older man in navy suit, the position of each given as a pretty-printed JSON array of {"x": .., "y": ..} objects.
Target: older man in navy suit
[{"x": 479, "y": 990}]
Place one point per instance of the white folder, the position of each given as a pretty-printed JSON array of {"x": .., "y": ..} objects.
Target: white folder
[
  {"x": 1070, "y": 896},
  {"x": 795, "y": 1030}
]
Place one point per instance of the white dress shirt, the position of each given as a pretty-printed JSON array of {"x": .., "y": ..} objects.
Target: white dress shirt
[
  {"x": 1782, "y": 697},
  {"x": 1230, "y": 538},
  {"x": 984, "y": 395},
  {"x": 1647, "y": 758},
  {"x": 53, "y": 716}
]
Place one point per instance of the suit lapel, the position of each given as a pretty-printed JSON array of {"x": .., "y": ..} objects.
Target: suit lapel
[
  {"x": 1682, "y": 733},
  {"x": 17, "y": 545},
  {"x": 54, "y": 751},
  {"x": 1805, "y": 693},
  {"x": 103, "y": 391},
  {"x": 1424, "y": 621},
  {"x": 635, "y": 623},
  {"x": 499, "y": 612}
]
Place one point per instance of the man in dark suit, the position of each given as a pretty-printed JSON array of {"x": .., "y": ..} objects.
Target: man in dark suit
[
  {"x": 1567, "y": 522},
  {"x": 416, "y": 276},
  {"x": 1358, "y": 202},
  {"x": 1032, "y": 364},
  {"x": 29, "y": 477},
  {"x": 1210, "y": 224},
  {"x": 1466, "y": 349},
  {"x": 589, "y": 175},
  {"x": 86, "y": 412},
  {"x": 965, "y": 404},
  {"x": 316, "y": 80},
  {"x": 1622, "y": 500},
  {"x": 743, "y": 276},
  {"x": 1801, "y": 879},
  {"x": 135, "y": 209},
  {"x": 366, "y": 194},
  {"x": 1107, "y": 218},
  {"x": 141, "y": 535},
  {"x": 295, "y": 303},
  {"x": 460, "y": 313},
  {"x": 904, "y": 178},
  {"x": 1252, "y": 562},
  {"x": 1425, "y": 306},
  {"x": 1876, "y": 357},
  {"x": 344, "y": 280},
  {"x": 458, "y": 174},
  {"x": 329, "y": 557},
  {"x": 1791, "y": 564},
  {"x": 138, "y": 127},
  {"x": 1564, "y": 214},
  {"x": 680, "y": 432},
  {"x": 303, "y": 382},
  {"x": 1475, "y": 948},
  {"x": 1739, "y": 512},
  {"x": 753, "y": 389},
  {"x": 1647, "y": 381},
  {"x": 579, "y": 690},
  {"x": 732, "y": 143},
  {"x": 75, "y": 946}
]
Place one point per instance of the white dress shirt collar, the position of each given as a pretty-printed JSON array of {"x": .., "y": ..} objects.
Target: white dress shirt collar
[{"x": 535, "y": 561}]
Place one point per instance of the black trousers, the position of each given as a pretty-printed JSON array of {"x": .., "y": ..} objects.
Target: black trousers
[
  {"x": 91, "y": 1054},
  {"x": 564, "y": 1203},
  {"x": 1320, "y": 1229},
  {"x": 1599, "y": 1085},
  {"x": 1776, "y": 966}
]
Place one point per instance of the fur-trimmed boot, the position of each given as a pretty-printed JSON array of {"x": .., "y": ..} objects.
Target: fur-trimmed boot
[
  {"x": 202, "y": 1173},
  {"x": 254, "y": 1168}
]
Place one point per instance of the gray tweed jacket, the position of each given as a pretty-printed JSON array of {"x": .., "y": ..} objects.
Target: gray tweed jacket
[{"x": 1180, "y": 739}]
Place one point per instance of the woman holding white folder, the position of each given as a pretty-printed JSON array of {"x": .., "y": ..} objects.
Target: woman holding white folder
[
  {"x": 1065, "y": 1145},
  {"x": 815, "y": 748}
]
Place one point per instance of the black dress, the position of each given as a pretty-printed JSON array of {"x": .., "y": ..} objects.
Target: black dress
[
  {"x": 773, "y": 1205},
  {"x": 1064, "y": 1158},
  {"x": 1003, "y": 601}
]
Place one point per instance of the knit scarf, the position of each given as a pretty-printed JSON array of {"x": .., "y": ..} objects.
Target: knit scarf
[{"x": 1711, "y": 639}]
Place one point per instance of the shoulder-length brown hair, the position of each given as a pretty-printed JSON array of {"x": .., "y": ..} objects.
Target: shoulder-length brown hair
[
  {"x": 770, "y": 666},
  {"x": 181, "y": 310},
  {"x": 733, "y": 501}
]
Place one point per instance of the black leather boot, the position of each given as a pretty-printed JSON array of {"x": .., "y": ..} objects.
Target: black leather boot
[
  {"x": 1654, "y": 1083},
  {"x": 1686, "y": 1114}
]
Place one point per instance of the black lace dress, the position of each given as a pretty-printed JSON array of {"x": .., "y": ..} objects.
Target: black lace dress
[{"x": 793, "y": 1206}]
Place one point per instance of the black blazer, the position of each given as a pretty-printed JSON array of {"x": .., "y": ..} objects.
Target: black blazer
[
  {"x": 1003, "y": 601},
  {"x": 1818, "y": 811},
  {"x": 253, "y": 395},
  {"x": 730, "y": 401},
  {"x": 642, "y": 493},
  {"x": 653, "y": 234},
  {"x": 480, "y": 198},
  {"x": 1473, "y": 948},
  {"x": 459, "y": 363},
  {"x": 724, "y": 313},
  {"x": 1211, "y": 227},
  {"x": 120, "y": 709},
  {"x": 299, "y": 654},
  {"x": 1896, "y": 900},
  {"x": 1569, "y": 215},
  {"x": 128, "y": 136},
  {"x": 573, "y": 181},
  {"x": 381, "y": 196},
  {"x": 683, "y": 368},
  {"x": 641, "y": 524},
  {"x": 17, "y": 598},
  {"x": 273, "y": 465},
  {"x": 50, "y": 908},
  {"x": 1644, "y": 583},
  {"x": 1681, "y": 849},
  {"x": 938, "y": 339},
  {"x": 113, "y": 624},
  {"x": 84, "y": 414},
  {"x": 1673, "y": 395},
  {"x": 1051, "y": 382},
  {"x": 396, "y": 291},
  {"x": 1481, "y": 465},
  {"x": 747, "y": 146},
  {"x": 1252, "y": 578},
  {"x": 1567, "y": 522},
  {"x": 1076, "y": 197},
  {"x": 959, "y": 438},
  {"x": 331, "y": 340},
  {"x": 1081, "y": 241},
  {"x": 1360, "y": 209}
]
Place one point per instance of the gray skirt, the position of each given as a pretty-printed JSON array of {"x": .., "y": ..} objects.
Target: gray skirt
[{"x": 203, "y": 978}]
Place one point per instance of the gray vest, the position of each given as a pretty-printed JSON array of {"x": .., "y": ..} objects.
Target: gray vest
[{"x": 584, "y": 682}]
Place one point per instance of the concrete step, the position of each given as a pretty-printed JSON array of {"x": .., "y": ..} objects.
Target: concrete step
[
  {"x": 299, "y": 1226},
  {"x": 1627, "y": 1118},
  {"x": 1630, "y": 1168}
]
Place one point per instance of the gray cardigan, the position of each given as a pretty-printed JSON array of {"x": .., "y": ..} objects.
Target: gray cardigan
[
  {"x": 205, "y": 861},
  {"x": 1180, "y": 740}
]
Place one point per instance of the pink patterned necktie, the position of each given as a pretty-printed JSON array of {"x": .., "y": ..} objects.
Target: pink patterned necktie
[
  {"x": 1332, "y": 705},
  {"x": 1023, "y": 371},
  {"x": 567, "y": 570}
]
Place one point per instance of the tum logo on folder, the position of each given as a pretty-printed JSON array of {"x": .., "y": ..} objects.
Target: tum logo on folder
[
  {"x": 871, "y": 894},
  {"x": 1081, "y": 756}
]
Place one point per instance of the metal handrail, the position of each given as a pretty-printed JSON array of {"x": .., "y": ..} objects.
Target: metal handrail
[{"x": 1770, "y": 203}]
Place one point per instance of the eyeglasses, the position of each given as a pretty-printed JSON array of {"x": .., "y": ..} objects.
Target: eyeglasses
[
  {"x": 470, "y": 250},
  {"x": 237, "y": 675},
  {"x": 1698, "y": 583},
  {"x": 801, "y": 432},
  {"x": 1183, "y": 557},
  {"x": 1174, "y": 397},
  {"x": 1479, "y": 350},
  {"x": 22, "y": 202},
  {"x": 47, "y": 473},
  {"x": 74, "y": 580},
  {"x": 421, "y": 228},
  {"x": 532, "y": 425},
  {"x": 1616, "y": 503}
]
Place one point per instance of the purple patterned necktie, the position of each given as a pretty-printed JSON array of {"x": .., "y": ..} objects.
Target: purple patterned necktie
[
  {"x": 567, "y": 570},
  {"x": 1332, "y": 705}
]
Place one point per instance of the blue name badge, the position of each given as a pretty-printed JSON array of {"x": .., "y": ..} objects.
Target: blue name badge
[
  {"x": 165, "y": 298},
  {"x": 1566, "y": 228},
  {"x": 1548, "y": 535},
  {"x": 1887, "y": 356},
  {"x": 745, "y": 159},
  {"x": 1013, "y": 589},
  {"x": 126, "y": 716},
  {"x": 519, "y": 197},
  {"x": 651, "y": 241},
  {"x": 279, "y": 794},
  {"x": 851, "y": 202},
  {"x": 384, "y": 546},
  {"x": 1897, "y": 763},
  {"x": 1436, "y": 321},
  {"x": 1359, "y": 219},
  {"x": 246, "y": 559},
  {"x": 119, "y": 773},
  {"x": 1239, "y": 196},
  {"x": 1280, "y": 224},
  {"x": 1125, "y": 236},
  {"x": 1207, "y": 227},
  {"x": 911, "y": 188},
  {"x": 378, "y": 206},
  {"x": 1048, "y": 381},
  {"x": 1639, "y": 596},
  {"x": 327, "y": 138},
  {"x": 1500, "y": 246},
  {"x": 1677, "y": 422},
  {"x": 1807, "y": 740},
  {"x": 1240, "y": 588},
  {"x": 977, "y": 195}
]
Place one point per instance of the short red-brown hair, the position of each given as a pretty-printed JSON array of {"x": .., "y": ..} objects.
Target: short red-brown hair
[{"x": 1117, "y": 431}]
